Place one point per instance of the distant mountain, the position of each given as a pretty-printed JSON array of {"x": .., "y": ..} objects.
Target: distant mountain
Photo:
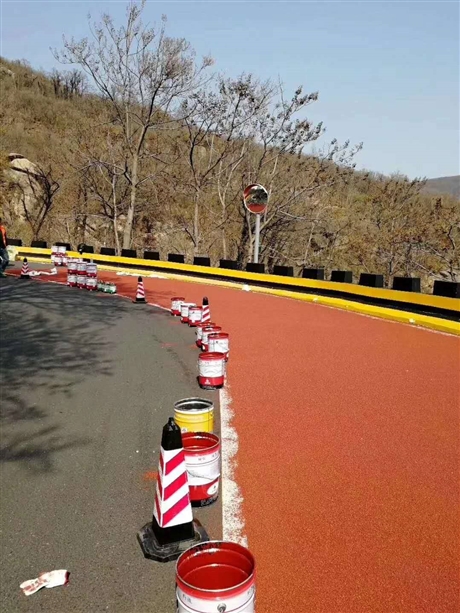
[{"x": 444, "y": 185}]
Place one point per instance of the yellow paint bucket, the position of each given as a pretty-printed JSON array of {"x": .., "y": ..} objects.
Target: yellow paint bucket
[{"x": 194, "y": 415}]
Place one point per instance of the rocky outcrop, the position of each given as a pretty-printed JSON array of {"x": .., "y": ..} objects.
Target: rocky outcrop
[{"x": 22, "y": 180}]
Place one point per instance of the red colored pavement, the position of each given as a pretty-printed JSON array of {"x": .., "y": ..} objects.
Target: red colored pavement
[{"x": 348, "y": 452}]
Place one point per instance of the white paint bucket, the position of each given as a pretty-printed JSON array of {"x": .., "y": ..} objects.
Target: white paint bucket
[
  {"x": 72, "y": 279},
  {"x": 194, "y": 316},
  {"x": 91, "y": 269},
  {"x": 202, "y": 458},
  {"x": 216, "y": 577},
  {"x": 211, "y": 370},
  {"x": 219, "y": 342},
  {"x": 184, "y": 307}
]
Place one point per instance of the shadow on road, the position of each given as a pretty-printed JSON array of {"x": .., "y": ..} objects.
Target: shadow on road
[{"x": 51, "y": 338}]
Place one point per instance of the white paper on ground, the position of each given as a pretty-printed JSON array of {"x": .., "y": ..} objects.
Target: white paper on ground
[{"x": 53, "y": 578}]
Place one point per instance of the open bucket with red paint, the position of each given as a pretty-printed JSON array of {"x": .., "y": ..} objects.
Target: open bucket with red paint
[
  {"x": 202, "y": 458},
  {"x": 217, "y": 576}
]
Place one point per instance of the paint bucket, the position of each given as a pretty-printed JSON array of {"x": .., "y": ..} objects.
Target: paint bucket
[
  {"x": 176, "y": 303},
  {"x": 184, "y": 307},
  {"x": 72, "y": 279},
  {"x": 207, "y": 330},
  {"x": 194, "y": 316},
  {"x": 219, "y": 342},
  {"x": 199, "y": 331},
  {"x": 72, "y": 266},
  {"x": 202, "y": 458},
  {"x": 91, "y": 283},
  {"x": 216, "y": 577},
  {"x": 194, "y": 415},
  {"x": 211, "y": 370},
  {"x": 91, "y": 269},
  {"x": 81, "y": 281}
]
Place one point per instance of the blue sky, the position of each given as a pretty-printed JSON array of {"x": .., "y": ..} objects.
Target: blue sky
[{"x": 387, "y": 73}]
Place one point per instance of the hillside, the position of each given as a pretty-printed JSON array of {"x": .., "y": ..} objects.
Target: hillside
[
  {"x": 444, "y": 185},
  {"x": 188, "y": 193}
]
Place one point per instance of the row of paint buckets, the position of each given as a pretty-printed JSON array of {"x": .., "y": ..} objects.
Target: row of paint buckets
[
  {"x": 214, "y": 343},
  {"x": 84, "y": 275},
  {"x": 214, "y": 576},
  {"x": 59, "y": 255}
]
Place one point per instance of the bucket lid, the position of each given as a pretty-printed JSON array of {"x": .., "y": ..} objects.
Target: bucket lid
[
  {"x": 216, "y": 335},
  {"x": 193, "y": 405},
  {"x": 178, "y": 298},
  {"x": 211, "y": 355}
]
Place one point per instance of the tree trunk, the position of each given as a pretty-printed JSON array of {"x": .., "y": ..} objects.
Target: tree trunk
[
  {"x": 196, "y": 225},
  {"x": 128, "y": 232}
]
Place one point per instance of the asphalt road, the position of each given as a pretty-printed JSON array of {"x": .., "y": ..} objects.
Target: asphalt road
[{"x": 87, "y": 383}]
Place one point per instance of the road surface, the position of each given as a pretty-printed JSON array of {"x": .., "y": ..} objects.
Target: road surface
[
  {"x": 346, "y": 481},
  {"x": 87, "y": 383}
]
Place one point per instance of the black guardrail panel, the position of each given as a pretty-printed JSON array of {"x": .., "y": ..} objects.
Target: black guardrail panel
[
  {"x": 449, "y": 289},
  {"x": 229, "y": 264},
  {"x": 284, "y": 271},
  {"x": 128, "y": 253},
  {"x": 201, "y": 261},
  {"x": 342, "y": 276},
  {"x": 14, "y": 242},
  {"x": 39, "y": 244},
  {"x": 253, "y": 267},
  {"x": 107, "y": 251},
  {"x": 406, "y": 284},
  {"x": 370, "y": 280},
  {"x": 88, "y": 249},
  {"x": 68, "y": 246},
  {"x": 151, "y": 255},
  {"x": 178, "y": 258},
  {"x": 313, "y": 273}
]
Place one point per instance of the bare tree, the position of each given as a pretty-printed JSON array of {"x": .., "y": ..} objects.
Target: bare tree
[
  {"x": 144, "y": 76},
  {"x": 217, "y": 120}
]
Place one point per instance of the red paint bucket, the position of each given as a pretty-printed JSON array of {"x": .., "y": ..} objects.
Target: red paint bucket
[
  {"x": 205, "y": 335},
  {"x": 219, "y": 342},
  {"x": 202, "y": 458},
  {"x": 194, "y": 316},
  {"x": 72, "y": 279},
  {"x": 176, "y": 304},
  {"x": 211, "y": 370},
  {"x": 199, "y": 331},
  {"x": 217, "y": 576}
]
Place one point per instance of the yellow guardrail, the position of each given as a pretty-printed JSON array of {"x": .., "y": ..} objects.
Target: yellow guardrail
[{"x": 358, "y": 291}]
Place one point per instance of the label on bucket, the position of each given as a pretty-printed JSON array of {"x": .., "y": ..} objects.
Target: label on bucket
[
  {"x": 241, "y": 603},
  {"x": 211, "y": 368},
  {"x": 202, "y": 470},
  {"x": 71, "y": 278},
  {"x": 194, "y": 314}
]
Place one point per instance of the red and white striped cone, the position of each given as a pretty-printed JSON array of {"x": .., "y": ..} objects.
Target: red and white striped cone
[
  {"x": 206, "y": 313},
  {"x": 172, "y": 529},
  {"x": 25, "y": 271},
  {"x": 140, "y": 293}
]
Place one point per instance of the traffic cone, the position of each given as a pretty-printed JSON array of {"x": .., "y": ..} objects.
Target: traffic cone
[
  {"x": 25, "y": 271},
  {"x": 172, "y": 529},
  {"x": 206, "y": 313},
  {"x": 140, "y": 293}
]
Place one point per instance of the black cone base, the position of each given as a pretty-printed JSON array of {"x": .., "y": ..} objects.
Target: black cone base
[
  {"x": 140, "y": 301},
  {"x": 24, "y": 277},
  {"x": 166, "y": 553}
]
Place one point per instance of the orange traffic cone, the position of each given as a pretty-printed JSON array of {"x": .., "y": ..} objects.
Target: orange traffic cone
[
  {"x": 172, "y": 529},
  {"x": 205, "y": 313},
  {"x": 25, "y": 271},
  {"x": 140, "y": 293}
]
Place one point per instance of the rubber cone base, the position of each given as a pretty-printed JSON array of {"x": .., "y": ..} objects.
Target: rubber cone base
[
  {"x": 166, "y": 553},
  {"x": 24, "y": 277},
  {"x": 140, "y": 301}
]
